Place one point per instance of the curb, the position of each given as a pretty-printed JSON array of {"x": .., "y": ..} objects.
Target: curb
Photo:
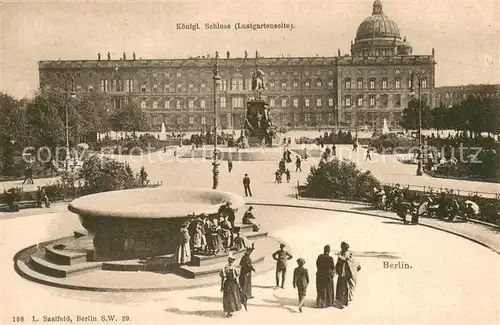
[{"x": 379, "y": 216}]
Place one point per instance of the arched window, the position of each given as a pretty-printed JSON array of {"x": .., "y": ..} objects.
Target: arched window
[
  {"x": 348, "y": 101},
  {"x": 348, "y": 83},
  {"x": 372, "y": 83},
  {"x": 360, "y": 83}
]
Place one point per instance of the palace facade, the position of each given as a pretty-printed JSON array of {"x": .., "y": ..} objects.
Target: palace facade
[
  {"x": 362, "y": 88},
  {"x": 453, "y": 95}
]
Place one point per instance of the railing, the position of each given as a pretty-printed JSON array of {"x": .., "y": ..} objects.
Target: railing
[{"x": 418, "y": 188}]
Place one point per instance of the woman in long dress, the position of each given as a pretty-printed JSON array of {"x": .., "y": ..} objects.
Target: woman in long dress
[
  {"x": 215, "y": 243},
  {"x": 324, "y": 279},
  {"x": 347, "y": 269},
  {"x": 183, "y": 252},
  {"x": 231, "y": 298}
]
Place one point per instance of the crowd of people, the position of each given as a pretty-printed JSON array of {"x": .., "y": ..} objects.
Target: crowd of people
[
  {"x": 284, "y": 170},
  {"x": 236, "y": 280},
  {"x": 211, "y": 235}
]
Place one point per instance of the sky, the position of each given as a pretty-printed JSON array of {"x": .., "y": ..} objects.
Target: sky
[{"x": 465, "y": 34}]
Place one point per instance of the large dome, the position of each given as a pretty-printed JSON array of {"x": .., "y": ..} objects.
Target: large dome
[{"x": 377, "y": 25}]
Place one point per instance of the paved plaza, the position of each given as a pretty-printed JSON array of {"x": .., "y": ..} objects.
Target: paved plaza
[{"x": 451, "y": 280}]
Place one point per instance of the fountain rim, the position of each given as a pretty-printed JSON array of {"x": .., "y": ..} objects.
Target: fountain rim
[{"x": 85, "y": 206}]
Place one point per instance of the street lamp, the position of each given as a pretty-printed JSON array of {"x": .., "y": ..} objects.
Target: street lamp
[
  {"x": 420, "y": 149},
  {"x": 73, "y": 96},
  {"x": 217, "y": 80}
]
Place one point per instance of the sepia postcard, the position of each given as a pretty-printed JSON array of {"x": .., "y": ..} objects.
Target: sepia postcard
[{"x": 250, "y": 162}]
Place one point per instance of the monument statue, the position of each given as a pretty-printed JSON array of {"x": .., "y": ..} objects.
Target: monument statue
[{"x": 258, "y": 127}]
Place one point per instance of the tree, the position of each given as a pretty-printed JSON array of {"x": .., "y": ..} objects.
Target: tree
[
  {"x": 410, "y": 119},
  {"x": 13, "y": 135},
  {"x": 129, "y": 119}
]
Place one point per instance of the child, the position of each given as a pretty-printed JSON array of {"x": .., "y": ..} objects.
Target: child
[{"x": 300, "y": 281}]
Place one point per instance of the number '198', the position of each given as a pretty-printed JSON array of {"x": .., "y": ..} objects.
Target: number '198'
[{"x": 18, "y": 319}]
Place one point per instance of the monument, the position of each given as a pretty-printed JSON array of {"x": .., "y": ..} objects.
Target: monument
[{"x": 259, "y": 128}]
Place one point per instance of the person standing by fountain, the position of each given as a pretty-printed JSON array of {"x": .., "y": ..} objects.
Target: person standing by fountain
[
  {"x": 281, "y": 256},
  {"x": 347, "y": 270},
  {"x": 246, "y": 273},
  {"x": 229, "y": 164},
  {"x": 230, "y": 288},
  {"x": 183, "y": 252},
  {"x": 215, "y": 241}
]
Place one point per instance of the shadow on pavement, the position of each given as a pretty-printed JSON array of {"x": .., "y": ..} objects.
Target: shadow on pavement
[
  {"x": 203, "y": 313},
  {"x": 206, "y": 299}
]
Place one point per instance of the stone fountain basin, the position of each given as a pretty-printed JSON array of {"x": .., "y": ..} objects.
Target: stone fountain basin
[{"x": 144, "y": 222}]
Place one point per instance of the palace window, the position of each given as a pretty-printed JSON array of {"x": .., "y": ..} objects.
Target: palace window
[
  {"x": 318, "y": 117},
  {"x": 104, "y": 85},
  {"x": 348, "y": 83},
  {"x": 237, "y": 102},
  {"x": 360, "y": 101},
  {"x": 271, "y": 84},
  {"x": 167, "y": 75},
  {"x": 283, "y": 102},
  {"x": 191, "y": 120},
  {"x": 179, "y": 85},
  {"x": 384, "y": 83},
  {"x": 202, "y": 103},
  {"x": 307, "y": 117},
  {"x": 295, "y": 102},
  {"x": 166, "y": 87},
  {"x": 272, "y": 102},
  {"x": 372, "y": 71},
  {"x": 372, "y": 84},
  {"x": 410, "y": 83},
  {"x": 348, "y": 101},
  {"x": 178, "y": 103},
  {"x": 179, "y": 74},
  {"x": 90, "y": 75},
  {"x": 307, "y": 84},
  {"x": 91, "y": 89},
  {"x": 360, "y": 83},
  {"x": 330, "y": 72},
  {"x": 296, "y": 118},
  {"x": 191, "y": 103},
  {"x": 307, "y": 102},
  {"x": 129, "y": 85},
  {"x": 306, "y": 73},
  {"x": 318, "y": 84},
  {"x": 283, "y": 85},
  {"x": 155, "y": 104},
  {"x": 202, "y": 86},
  {"x": 424, "y": 83},
  {"x": 372, "y": 101},
  {"x": 143, "y": 88},
  {"x": 167, "y": 104},
  {"x": 385, "y": 100},
  {"x": 397, "y": 100},
  {"x": 143, "y": 104},
  {"x": 318, "y": 102},
  {"x": 330, "y": 83},
  {"x": 203, "y": 120},
  {"x": 155, "y": 88},
  {"x": 398, "y": 84},
  {"x": 398, "y": 71},
  {"x": 79, "y": 88},
  {"x": 330, "y": 101},
  {"x": 295, "y": 84},
  {"x": 190, "y": 85},
  {"x": 223, "y": 102},
  {"x": 384, "y": 71},
  {"x": 237, "y": 83}
]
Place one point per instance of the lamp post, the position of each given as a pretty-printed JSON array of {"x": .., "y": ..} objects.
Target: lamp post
[
  {"x": 217, "y": 80},
  {"x": 73, "y": 95},
  {"x": 420, "y": 149}
]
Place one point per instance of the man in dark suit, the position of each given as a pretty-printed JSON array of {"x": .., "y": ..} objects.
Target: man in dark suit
[
  {"x": 246, "y": 185},
  {"x": 281, "y": 256}
]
